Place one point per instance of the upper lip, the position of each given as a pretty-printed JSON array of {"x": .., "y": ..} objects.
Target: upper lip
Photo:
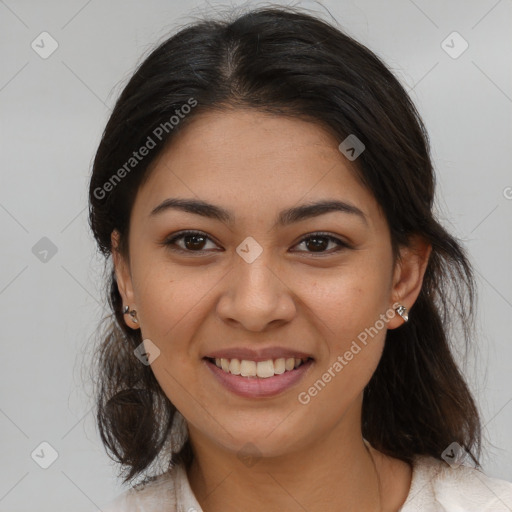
[{"x": 261, "y": 354}]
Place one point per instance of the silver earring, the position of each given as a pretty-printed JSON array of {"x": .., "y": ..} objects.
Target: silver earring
[
  {"x": 132, "y": 313},
  {"x": 402, "y": 311}
]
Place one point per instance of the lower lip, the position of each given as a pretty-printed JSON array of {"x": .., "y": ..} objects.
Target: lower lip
[{"x": 256, "y": 387}]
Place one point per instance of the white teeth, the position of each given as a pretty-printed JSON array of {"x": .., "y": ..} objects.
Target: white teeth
[
  {"x": 279, "y": 366},
  {"x": 247, "y": 368},
  {"x": 234, "y": 367},
  {"x": 261, "y": 369},
  {"x": 290, "y": 363},
  {"x": 265, "y": 369}
]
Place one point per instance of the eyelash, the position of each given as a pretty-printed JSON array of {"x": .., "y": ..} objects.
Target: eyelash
[{"x": 170, "y": 242}]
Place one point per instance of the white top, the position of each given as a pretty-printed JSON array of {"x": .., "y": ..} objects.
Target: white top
[{"x": 435, "y": 487}]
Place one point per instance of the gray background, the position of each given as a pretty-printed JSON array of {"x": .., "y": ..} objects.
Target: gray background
[{"x": 52, "y": 114}]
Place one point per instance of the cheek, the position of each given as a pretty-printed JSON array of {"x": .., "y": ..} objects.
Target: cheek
[
  {"x": 351, "y": 298},
  {"x": 349, "y": 321},
  {"x": 350, "y": 304},
  {"x": 168, "y": 301},
  {"x": 166, "y": 296}
]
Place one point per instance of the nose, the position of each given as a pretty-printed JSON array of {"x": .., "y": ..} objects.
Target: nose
[{"x": 256, "y": 295}]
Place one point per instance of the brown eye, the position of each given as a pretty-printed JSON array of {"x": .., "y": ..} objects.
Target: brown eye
[
  {"x": 193, "y": 241},
  {"x": 318, "y": 243}
]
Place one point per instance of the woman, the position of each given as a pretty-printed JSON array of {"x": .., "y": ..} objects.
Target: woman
[{"x": 281, "y": 288}]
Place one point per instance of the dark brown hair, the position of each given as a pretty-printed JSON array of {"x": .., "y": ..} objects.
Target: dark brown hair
[{"x": 288, "y": 62}]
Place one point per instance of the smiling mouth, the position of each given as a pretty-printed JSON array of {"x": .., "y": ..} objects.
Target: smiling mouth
[{"x": 260, "y": 369}]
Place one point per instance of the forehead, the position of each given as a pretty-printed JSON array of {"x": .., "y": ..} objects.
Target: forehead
[
  {"x": 249, "y": 137},
  {"x": 249, "y": 161}
]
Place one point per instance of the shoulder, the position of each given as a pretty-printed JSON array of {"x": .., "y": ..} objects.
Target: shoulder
[
  {"x": 159, "y": 493},
  {"x": 436, "y": 486}
]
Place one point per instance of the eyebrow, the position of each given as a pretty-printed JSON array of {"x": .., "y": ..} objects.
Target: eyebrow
[{"x": 285, "y": 217}]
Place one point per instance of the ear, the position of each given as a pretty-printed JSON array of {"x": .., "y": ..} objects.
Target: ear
[
  {"x": 123, "y": 278},
  {"x": 408, "y": 275}
]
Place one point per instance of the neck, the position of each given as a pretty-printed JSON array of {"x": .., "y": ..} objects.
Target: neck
[{"x": 336, "y": 472}]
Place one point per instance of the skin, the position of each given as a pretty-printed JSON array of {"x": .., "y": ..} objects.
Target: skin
[{"x": 188, "y": 304}]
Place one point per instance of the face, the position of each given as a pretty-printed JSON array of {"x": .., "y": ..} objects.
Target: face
[{"x": 256, "y": 285}]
